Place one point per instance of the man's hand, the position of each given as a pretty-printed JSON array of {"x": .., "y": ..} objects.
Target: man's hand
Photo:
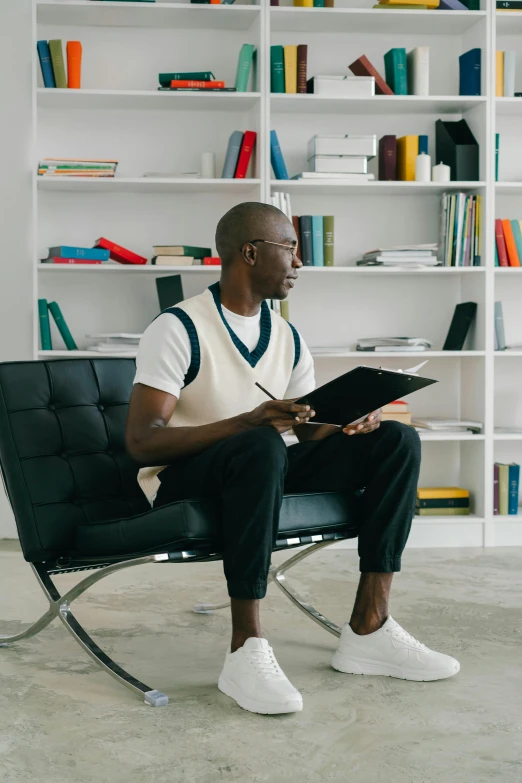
[
  {"x": 280, "y": 414},
  {"x": 371, "y": 423}
]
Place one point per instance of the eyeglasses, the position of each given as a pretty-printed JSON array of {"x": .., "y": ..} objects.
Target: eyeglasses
[{"x": 293, "y": 248}]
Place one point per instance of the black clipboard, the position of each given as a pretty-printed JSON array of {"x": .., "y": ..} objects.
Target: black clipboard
[{"x": 355, "y": 394}]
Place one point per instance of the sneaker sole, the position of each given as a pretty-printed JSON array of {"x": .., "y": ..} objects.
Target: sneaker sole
[
  {"x": 231, "y": 690},
  {"x": 353, "y": 666}
]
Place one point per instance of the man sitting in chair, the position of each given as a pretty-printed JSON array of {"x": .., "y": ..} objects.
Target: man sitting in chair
[{"x": 196, "y": 411}]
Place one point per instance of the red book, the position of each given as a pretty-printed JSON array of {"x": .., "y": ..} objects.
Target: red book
[
  {"x": 82, "y": 261},
  {"x": 363, "y": 67},
  {"x": 195, "y": 83},
  {"x": 302, "y": 56},
  {"x": 501, "y": 244},
  {"x": 212, "y": 261},
  {"x": 245, "y": 153},
  {"x": 120, "y": 254}
]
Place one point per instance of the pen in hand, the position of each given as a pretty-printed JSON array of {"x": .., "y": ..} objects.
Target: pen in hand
[{"x": 270, "y": 395}]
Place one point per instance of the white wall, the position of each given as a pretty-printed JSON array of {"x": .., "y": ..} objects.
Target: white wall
[{"x": 15, "y": 195}]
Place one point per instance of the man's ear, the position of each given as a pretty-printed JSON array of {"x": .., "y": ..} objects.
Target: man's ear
[{"x": 249, "y": 253}]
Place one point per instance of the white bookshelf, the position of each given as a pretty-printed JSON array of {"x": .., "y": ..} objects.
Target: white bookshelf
[{"x": 119, "y": 113}]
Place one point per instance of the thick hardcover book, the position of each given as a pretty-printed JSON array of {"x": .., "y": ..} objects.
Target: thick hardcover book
[
  {"x": 166, "y": 78},
  {"x": 71, "y": 261},
  {"x": 469, "y": 72},
  {"x": 302, "y": 56},
  {"x": 424, "y": 493},
  {"x": 388, "y": 158},
  {"x": 517, "y": 234},
  {"x": 396, "y": 70},
  {"x": 212, "y": 261},
  {"x": 318, "y": 3},
  {"x": 290, "y": 55},
  {"x": 118, "y": 253},
  {"x": 245, "y": 153},
  {"x": 305, "y": 226},
  {"x": 363, "y": 67},
  {"x": 59, "y": 320},
  {"x": 277, "y": 69},
  {"x": 419, "y": 71},
  {"x": 501, "y": 244},
  {"x": 182, "y": 250},
  {"x": 510, "y": 58},
  {"x": 295, "y": 223},
  {"x": 511, "y": 247},
  {"x": 407, "y": 151},
  {"x": 499, "y": 74},
  {"x": 443, "y": 503},
  {"x": 503, "y": 489},
  {"x": 499, "y": 327},
  {"x": 495, "y": 489},
  {"x": 497, "y": 154},
  {"x": 317, "y": 240},
  {"x": 463, "y": 317},
  {"x": 423, "y": 144},
  {"x": 276, "y": 157},
  {"x": 64, "y": 251},
  {"x": 234, "y": 145},
  {"x": 44, "y": 55},
  {"x": 328, "y": 232},
  {"x": 45, "y": 327},
  {"x": 55, "y": 47},
  {"x": 244, "y": 66},
  {"x": 174, "y": 261},
  {"x": 442, "y": 512},
  {"x": 513, "y": 484},
  {"x": 195, "y": 83},
  {"x": 274, "y": 2},
  {"x": 74, "y": 65}
]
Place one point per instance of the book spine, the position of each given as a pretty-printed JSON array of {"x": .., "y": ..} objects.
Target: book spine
[
  {"x": 71, "y": 261},
  {"x": 295, "y": 223},
  {"x": 277, "y": 69},
  {"x": 495, "y": 490},
  {"x": 44, "y": 55},
  {"x": 517, "y": 235},
  {"x": 318, "y": 3},
  {"x": 499, "y": 74},
  {"x": 317, "y": 240},
  {"x": 510, "y": 244},
  {"x": 290, "y": 55},
  {"x": 249, "y": 140},
  {"x": 513, "y": 479},
  {"x": 305, "y": 225},
  {"x": 64, "y": 251},
  {"x": 443, "y": 503},
  {"x": 499, "y": 327},
  {"x": 274, "y": 2},
  {"x": 442, "y": 512},
  {"x": 423, "y": 145},
  {"x": 509, "y": 73},
  {"x": 497, "y": 154},
  {"x": 407, "y": 147},
  {"x": 363, "y": 67},
  {"x": 74, "y": 65},
  {"x": 276, "y": 157},
  {"x": 503, "y": 489},
  {"x": 470, "y": 73},
  {"x": 234, "y": 145},
  {"x": 328, "y": 232},
  {"x": 212, "y": 261},
  {"x": 478, "y": 218},
  {"x": 120, "y": 254},
  {"x": 418, "y": 68},
  {"x": 45, "y": 326},
  {"x": 441, "y": 492},
  {"x": 55, "y": 47},
  {"x": 60, "y": 322},
  {"x": 388, "y": 158},
  {"x": 193, "y": 83},
  {"x": 285, "y": 310},
  {"x": 395, "y": 65},
  {"x": 302, "y": 57},
  {"x": 501, "y": 244},
  {"x": 244, "y": 66},
  {"x": 203, "y": 76}
]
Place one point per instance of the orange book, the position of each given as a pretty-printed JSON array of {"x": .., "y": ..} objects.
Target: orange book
[
  {"x": 194, "y": 83},
  {"x": 510, "y": 243},
  {"x": 74, "y": 64}
]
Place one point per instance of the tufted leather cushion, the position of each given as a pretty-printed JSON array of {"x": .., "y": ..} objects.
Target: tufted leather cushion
[{"x": 71, "y": 483}]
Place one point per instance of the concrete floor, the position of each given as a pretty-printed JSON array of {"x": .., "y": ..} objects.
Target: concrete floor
[{"x": 62, "y": 721}]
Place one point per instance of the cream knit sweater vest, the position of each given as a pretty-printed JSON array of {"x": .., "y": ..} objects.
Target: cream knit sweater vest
[{"x": 224, "y": 383}]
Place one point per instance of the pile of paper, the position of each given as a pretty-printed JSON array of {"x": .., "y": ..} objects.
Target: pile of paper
[
  {"x": 404, "y": 255},
  {"x": 446, "y": 425},
  {"x": 392, "y": 344},
  {"x": 114, "y": 342}
]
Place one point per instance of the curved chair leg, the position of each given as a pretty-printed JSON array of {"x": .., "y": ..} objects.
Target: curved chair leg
[
  {"x": 277, "y": 575},
  {"x": 33, "y": 629}
]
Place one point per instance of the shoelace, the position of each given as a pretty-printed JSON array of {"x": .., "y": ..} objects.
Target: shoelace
[
  {"x": 266, "y": 664},
  {"x": 404, "y": 636}
]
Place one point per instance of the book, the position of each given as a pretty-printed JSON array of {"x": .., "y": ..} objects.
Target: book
[
  {"x": 317, "y": 240},
  {"x": 443, "y": 503},
  {"x": 304, "y": 3},
  {"x": 165, "y": 79},
  {"x": 388, "y": 158},
  {"x": 182, "y": 250},
  {"x": 45, "y": 327},
  {"x": 397, "y": 406},
  {"x": 463, "y": 317},
  {"x": 513, "y": 486},
  {"x": 245, "y": 153},
  {"x": 55, "y": 48},
  {"x": 118, "y": 253},
  {"x": 328, "y": 234},
  {"x": 423, "y": 144},
  {"x": 162, "y": 260},
  {"x": 277, "y": 69},
  {"x": 448, "y": 425},
  {"x": 517, "y": 235},
  {"x": 305, "y": 229},
  {"x": 470, "y": 72},
  {"x": 295, "y": 223},
  {"x": 503, "y": 489},
  {"x": 418, "y": 70},
  {"x": 74, "y": 64},
  {"x": 290, "y": 55},
  {"x": 396, "y": 70},
  {"x": 339, "y": 164},
  {"x": 276, "y": 157},
  {"x": 451, "y": 5},
  {"x": 441, "y": 511},
  {"x": 511, "y": 247},
  {"x": 84, "y": 253},
  {"x": 44, "y": 55},
  {"x": 440, "y": 493},
  {"x": 509, "y": 5},
  {"x": 407, "y": 151},
  {"x": 318, "y": 3},
  {"x": 212, "y": 261},
  {"x": 194, "y": 83},
  {"x": 59, "y": 260},
  {"x": 510, "y": 58},
  {"x": 234, "y": 146},
  {"x": 499, "y": 328},
  {"x": 348, "y": 86},
  {"x": 60, "y": 322},
  {"x": 321, "y": 175},
  {"x": 302, "y": 57},
  {"x": 499, "y": 74},
  {"x": 404, "y": 418},
  {"x": 495, "y": 489},
  {"x": 501, "y": 244},
  {"x": 244, "y": 66},
  {"x": 412, "y": 3},
  {"x": 497, "y": 154},
  {"x": 363, "y": 67}
]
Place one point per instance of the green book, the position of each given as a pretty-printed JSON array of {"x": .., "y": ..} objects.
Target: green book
[
  {"x": 318, "y": 3},
  {"x": 472, "y": 5},
  {"x": 517, "y": 234},
  {"x": 246, "y": 55},
  {"x": 396, "y": 69},
  {"x": 59, "y": 320},
  {"x": 277, "y": 69},
  {"x": 182, "y": 250},
  {"x": 328, "y": 235},
  {"x": 200, "y": 76},
  {"x": 55, "y": 47},
  {"x": 45, "y": 326}
]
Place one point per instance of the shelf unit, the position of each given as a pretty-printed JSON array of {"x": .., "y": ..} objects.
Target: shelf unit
[{"x": 120, "y": 113}]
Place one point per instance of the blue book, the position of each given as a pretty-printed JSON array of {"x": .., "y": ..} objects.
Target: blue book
[
  {"x": 469, "y": 72},
  {"x": 423, "y": 145},
  {"x": 44, "y": 55},
  {"x": 89, "y": 253},
  {"x": 234, "y": 145},
  {"x": 517, "y": 234},
  {"x": 276, "y": 157},
  {"x": 513, "y": 482},
  {"x": 317, "y": 240}
]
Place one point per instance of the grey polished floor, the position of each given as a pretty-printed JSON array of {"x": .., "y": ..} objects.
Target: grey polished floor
[{"x": 62, "y": 721}]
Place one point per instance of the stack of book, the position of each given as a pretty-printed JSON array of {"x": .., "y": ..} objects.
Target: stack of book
[
  {"x": 406, "y": 73},
  {"x": 76, "y": 167},
  {"x": 460, "y": 230},
  {"x": 506, "y": 480},
  {"x": 442, "y": 501},
  {"x": 392, "y": 344},
  {"x": 401, "y": 256},
  {"x": 288, "y": 68},
  {"x": 397, "y": 411},
  {"x": 505, "y": 71},
  {"x": 204, "y": 81},
  {"x": 67, "y": 254},
  {"x": 446, "y": 425},
  {"x": 315, "y": 238},
  {"x": 180, "y": 255},
  {"x": 238, "y": 155},
  {"x": 340, "y": 157},
  {"x": 118, "y": 253},
  {"x": 508, "y": 244},
  {"x": 118, "y": 342},
  {"x": 44, "y": 308},
  {"x": 50, "y": 54}
]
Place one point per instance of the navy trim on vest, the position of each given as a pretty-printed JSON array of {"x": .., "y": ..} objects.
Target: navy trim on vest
[
  {"x": 195, "y": 352},
  {"x": 264, "y": 336},
  {"x": 297, "y": 345}
]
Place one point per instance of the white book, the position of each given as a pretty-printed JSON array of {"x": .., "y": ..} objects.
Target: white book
[
  {"x": 419, "y": 71},
  {"x": 399, "y": 253},
  {"x": 176, "y": 261},
  {"x": 403, "y": 262},
  {"x": 393, "y": 348},
  {"x": 112, "y": 348},
  {"x": 322, "y": 175},
  {"x": 447, "y": 424},
  {"x": 349, "y": 86},
  {"x": 359, "y": 146},
  {"x": 114, "y": 336},
  {"x": 510, "y": 58},
  {"x": 338, "y": 164}
]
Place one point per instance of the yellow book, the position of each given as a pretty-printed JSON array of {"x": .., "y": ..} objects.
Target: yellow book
[
  {"x": 304, "y": 4},
  {"x": 290, "y": 68},
  {"x": 427, "y": 493},
  {"x": 428, "y": 3},
  {"x": 442, "y": 512},
  {"x": 407, "y": 151},
  {"x": 499, "y": 75}
]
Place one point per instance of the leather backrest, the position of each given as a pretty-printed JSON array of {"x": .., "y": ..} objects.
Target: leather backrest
[{"x": 62, "y": 448}]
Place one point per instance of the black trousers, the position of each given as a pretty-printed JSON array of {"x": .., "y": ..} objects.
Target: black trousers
[{"x": 248, "y": 474}]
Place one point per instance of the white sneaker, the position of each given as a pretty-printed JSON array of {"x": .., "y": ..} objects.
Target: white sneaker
[
  {"x": 392, "y": 652},
  {"x": 253, "y": 678}
]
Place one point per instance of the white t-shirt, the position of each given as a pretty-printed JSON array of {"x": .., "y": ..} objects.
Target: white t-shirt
[{"x": 164, "y": 354}]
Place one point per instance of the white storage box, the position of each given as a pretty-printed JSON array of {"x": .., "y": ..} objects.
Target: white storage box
[
  {"x": 339, "y": 164},
  {"x": 351, "y": 86},
  {"x": 356, "y": 146}
]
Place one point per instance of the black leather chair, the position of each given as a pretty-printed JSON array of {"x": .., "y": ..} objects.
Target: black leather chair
[{"x": 78, "y": 507}]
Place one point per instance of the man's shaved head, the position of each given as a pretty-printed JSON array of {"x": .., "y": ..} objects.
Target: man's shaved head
[{"x": 245, "y": 222}]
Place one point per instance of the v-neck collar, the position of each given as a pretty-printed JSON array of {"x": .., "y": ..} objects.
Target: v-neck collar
[{"x": 265, "y": 329}]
